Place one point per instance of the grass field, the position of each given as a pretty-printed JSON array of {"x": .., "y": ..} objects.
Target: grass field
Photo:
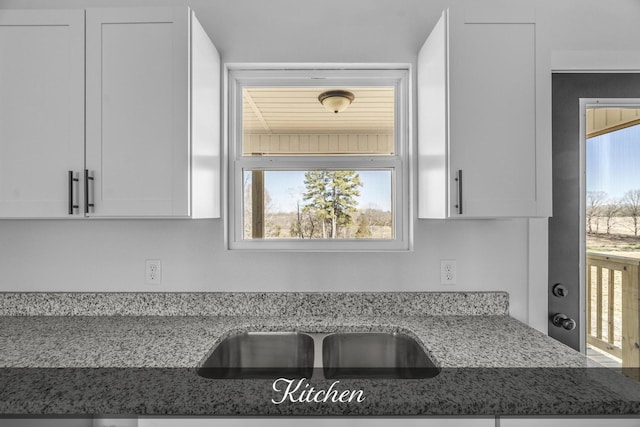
[
  {"x": 278, "y": 225},
  {"x": 620, "y": 238}
]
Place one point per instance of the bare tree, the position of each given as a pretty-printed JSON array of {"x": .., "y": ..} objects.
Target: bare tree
[
  {"x": 378, "y": 217},
  {"x": 595, "y": 199},
  {"x": 610, "y": 212},
  {"x": 304, "y": 226},
  {"x": 631, "y": 208}
]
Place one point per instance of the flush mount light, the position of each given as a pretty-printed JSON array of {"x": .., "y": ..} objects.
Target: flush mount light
[{"x": 336, "y": 100}]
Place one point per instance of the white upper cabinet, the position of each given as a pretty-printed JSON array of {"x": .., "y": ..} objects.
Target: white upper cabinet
[
  {"x": 151, "y": 107},
  {"x": 478, "y": 151},
  {"x": 41, "y": 111},
  {"x": 149, "y": 147}
]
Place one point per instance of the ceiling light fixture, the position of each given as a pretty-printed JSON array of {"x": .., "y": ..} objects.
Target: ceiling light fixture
[{"x": 336, "y": 101}]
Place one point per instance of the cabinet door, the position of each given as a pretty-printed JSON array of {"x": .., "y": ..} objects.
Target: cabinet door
[
  {"x": 41, "y": 111},
  {"x": 46, "y": 422},
  {"x": 137, "y": 147},
  {"x": 493, "y": 118},
  {"x": 317, "y": 422},
  {"x": 477, "y": 114},
  {"x": 433, "y": 123},
  {"x": 591, "y": 421}
]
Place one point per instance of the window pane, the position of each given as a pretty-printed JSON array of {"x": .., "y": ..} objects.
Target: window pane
[
  {"x": 322, "y": 204},
  {"x": 289, "y": 121}
]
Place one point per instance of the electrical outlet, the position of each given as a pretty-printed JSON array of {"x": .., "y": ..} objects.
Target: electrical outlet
[
  {"x": 448, "y": 274},
  {"x": 153, "y": 272}
]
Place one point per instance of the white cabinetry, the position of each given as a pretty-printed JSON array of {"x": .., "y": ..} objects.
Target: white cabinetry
[
  {"x": 317, "y": 422},
  {"x": 477, "y": 118},
  {"x": 569, "y": 422},
  {"x": 151, "y": 147},
  {"x": 46, "y": 422},
  {"x": 41, "y": 110},
  {"x": 149, "y": 72}
]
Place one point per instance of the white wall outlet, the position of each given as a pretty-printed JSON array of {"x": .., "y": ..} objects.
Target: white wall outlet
[
  {"x": 153, "y": 272},
  {"x": 448, "y": 273}
]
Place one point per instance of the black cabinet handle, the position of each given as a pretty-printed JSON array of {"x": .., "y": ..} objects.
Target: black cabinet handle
[
  {"x": 87, "y": 178},
  {"x": 458, "y": 179},
  {"x": 72, "y": 180}
]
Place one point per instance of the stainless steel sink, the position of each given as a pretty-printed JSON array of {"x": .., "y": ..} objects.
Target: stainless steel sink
[
  {"x": 375, "y": 355},
  {"x": 274, "y": 355},
  {"x": 261, "y": 355}
]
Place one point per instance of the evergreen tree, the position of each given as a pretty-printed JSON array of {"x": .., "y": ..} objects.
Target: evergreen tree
[{"x": 331, "y": 195}]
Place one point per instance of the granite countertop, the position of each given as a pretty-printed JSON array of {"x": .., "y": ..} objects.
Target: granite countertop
[{"x": 144, "y": 362}]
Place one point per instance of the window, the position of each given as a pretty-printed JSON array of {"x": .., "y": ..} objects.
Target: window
[{"x": 302, "y": 177}]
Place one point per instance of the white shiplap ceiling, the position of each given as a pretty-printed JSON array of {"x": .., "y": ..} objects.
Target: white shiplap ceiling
[{"x": 297, "y": 110}]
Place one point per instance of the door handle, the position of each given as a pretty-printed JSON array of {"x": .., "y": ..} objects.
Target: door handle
[
  {"x": 458, "y": 180},
  {"x": 87, "y": 178},
  {"x": 72, "y": 180},
  {"x": 563, "y": 321}
]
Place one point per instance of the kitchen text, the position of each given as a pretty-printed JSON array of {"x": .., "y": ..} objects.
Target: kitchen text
[{"x": 302, "y": 392}]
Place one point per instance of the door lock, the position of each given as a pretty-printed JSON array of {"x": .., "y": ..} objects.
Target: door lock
[
  {"x": 560, "y": 290},
  {"x": 563, "y": 321}
]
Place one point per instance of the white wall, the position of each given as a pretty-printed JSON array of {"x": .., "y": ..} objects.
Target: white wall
[
  {"x": 44, "y": 255},
  {"x": 109, "y": 255}
]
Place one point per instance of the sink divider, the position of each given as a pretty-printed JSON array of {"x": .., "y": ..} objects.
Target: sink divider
[{"x": 317, "y": 353}]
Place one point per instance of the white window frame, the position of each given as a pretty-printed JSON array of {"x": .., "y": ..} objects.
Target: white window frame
[{"x": 333, "y": 75}]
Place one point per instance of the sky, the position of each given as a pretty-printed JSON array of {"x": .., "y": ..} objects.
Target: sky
[
  {"x": 286, "y": 188},
  {"x": 613, "y": 162}
]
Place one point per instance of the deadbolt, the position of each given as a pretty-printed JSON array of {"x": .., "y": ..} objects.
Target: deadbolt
[{"x": 560, "y": 290}]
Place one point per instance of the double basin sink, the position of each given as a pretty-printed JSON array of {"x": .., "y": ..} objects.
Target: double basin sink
[{"x": 374, "y": 355}]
